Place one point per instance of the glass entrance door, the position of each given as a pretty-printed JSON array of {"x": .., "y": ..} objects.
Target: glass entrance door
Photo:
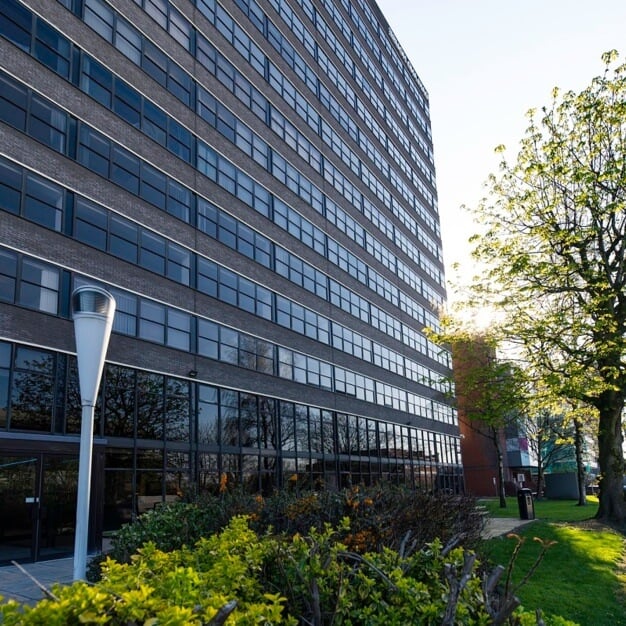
[
  {"x": 37, "y": 506},
  {"x": 19, "y": 507},
  {"x": 57, "y": 513}
]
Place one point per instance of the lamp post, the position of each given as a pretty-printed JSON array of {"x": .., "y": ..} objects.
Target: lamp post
[{"x": 92, "y": 311}]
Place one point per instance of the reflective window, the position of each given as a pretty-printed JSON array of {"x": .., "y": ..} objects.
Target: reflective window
[
  {"x": 43, "y": 202},
  {"x": 10, "y": 187},
  {"x": 8, "y": 275},
  {"x": 208, "y": 415},
  {"x": 39, "y": 286},
  {"x": 32, "y": 393},
  {"x": 16, "y": 23}
]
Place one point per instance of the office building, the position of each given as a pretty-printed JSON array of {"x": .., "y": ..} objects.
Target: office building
[{"x": 253, "y": 182}]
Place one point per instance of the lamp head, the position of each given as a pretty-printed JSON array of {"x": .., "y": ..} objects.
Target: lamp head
[{"x": 93, "y": 309}]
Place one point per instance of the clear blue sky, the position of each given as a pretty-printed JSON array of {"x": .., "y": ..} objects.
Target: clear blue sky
[{"x": 484, "y": 64}]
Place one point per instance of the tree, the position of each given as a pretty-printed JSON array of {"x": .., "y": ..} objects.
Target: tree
[
  {"x": 553, "y": 254},
  {"x": 489, "y": 392}
]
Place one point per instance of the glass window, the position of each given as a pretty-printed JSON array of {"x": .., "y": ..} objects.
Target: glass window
[
  {"x": 128, "y": 41},
  {"x": 152, "y": 321},
  {"x": 10, "y": 187},
  {"x": 15, "y": 23},
  {"x": 178, "y": 329},
  {"x": 157, "y": 10},
  {"x": 96, "y": 80},
  {"x": 180, "y": 29},
  {"x": 93, "y": 151},
  {"x": 123, "y": 239},
  {"x": 13, "y": 104},
  {"x": 39, "y": 286},
  {"x": 229, "y": 345},
  {"x": 125, "y": 320},
  {"x": 152, "y": 253},
  {"x": 90, "y": 224},
  {"x": 52, "y": 49},
  {"x": 207, "y": 277},
  {"x": 125, "y": 169},
  {"x": 177, "y": 410},
  {"x": 180, "y": 84},
  {"x": 207, "y": 218},
  {"x": 208, "y": 339},
  {"x": 32, "y": 393},
  {"x": 208, "y": 416},
  {"x": 179, "y": 201},
  {"x": 127, "y": 103},
  {"x": 150, "y": 415},
  {"x": 8, "y": 275},
  {"x": 43, "y": 202},
  {"x": 47, "y": 124},
  {"x": 119, "y": 401},
  {"x": 179, "y": 140},
  {"x": 178, "y": 264},
  {"x": 99, "y": 16},
  {"x": 227, "y": 286},
  {"x": 154, "y": 122},
  {"x": 153, "y": 186},
  {"x": 154, "y": 62}
]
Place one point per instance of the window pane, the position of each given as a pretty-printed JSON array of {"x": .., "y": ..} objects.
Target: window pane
[
  {"x": 43, "y": 203},
  {"x": 39, "y": 286},
  {"x": 10, "y": 187}
]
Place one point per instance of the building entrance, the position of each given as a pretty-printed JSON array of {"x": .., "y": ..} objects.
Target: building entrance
[{"x": 37, "y": 506}]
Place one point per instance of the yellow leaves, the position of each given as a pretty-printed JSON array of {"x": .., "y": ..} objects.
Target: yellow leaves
[{"x": 610, "y": 57}]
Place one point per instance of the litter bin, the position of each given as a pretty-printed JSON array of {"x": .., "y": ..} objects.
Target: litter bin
[{"x": 526, "y": 504}]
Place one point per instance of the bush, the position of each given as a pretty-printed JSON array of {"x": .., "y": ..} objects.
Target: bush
[
  {"x": 381, "y": 516},
  {"x": 238, "y": 577},
  {"x": 215, "y": 582}
]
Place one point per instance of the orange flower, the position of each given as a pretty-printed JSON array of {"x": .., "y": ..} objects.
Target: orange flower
[{"x": 223, "y": 482}]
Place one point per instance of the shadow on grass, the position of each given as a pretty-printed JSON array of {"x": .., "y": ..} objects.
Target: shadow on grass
[{"x": 579, "y": 577}]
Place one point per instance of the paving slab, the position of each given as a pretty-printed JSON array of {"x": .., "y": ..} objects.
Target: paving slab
[
  {"x": 499, "y": 526},
  {"x": 19, "y": 585}
]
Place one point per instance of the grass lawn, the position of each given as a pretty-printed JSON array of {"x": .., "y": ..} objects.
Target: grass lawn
[
  {"x": 581, "y": 577},
  {"x": 557, "y": 510}
]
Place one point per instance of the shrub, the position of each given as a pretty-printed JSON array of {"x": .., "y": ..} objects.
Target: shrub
[
  {"x": 380, "y": 516},
  {"x": 238, "y": 577},
  {"x": 216, "y": 582}
]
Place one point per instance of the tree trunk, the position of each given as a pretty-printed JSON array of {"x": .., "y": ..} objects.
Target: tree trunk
[
  {"x": 501, "y": 490},
  {"x": 611, "y": 457},
  {"x": 539, "y": 478},
  {"x": 580, "y": 465}
]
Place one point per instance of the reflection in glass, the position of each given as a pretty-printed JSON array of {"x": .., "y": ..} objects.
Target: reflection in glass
[
  {"x": 208, "y": 420},
  {"x": 32, "y": 395},
  {"x": 177, "y": 410},
  {"x": 119, "y": 401},
  {"x": 150, "y": 415}
]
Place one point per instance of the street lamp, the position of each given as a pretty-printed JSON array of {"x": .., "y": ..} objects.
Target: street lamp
[{"x": 92, "y": 311}]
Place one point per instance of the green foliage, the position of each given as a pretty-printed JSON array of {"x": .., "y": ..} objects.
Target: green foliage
[
  {"x": 577, "y": 578},
  {"x": 379, "y": 516},
  {"x": 545, "y": 509},
  {"x": 276, "y": 579},
  {"x": 181, "y": 587},
  {"x": 552, "y": 254}
]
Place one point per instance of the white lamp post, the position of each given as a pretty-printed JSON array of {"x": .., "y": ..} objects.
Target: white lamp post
[{"x": 92, "y": 311}]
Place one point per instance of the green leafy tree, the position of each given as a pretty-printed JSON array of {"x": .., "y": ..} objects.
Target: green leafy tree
[
  {"x": 553, "y": 250},
  {"x": 490, "y": 392}
]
